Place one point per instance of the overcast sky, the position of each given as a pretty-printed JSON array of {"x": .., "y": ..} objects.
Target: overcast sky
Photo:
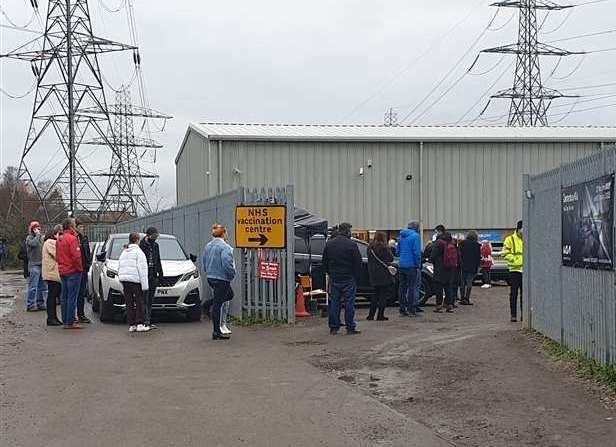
[{"x": 322, "y": 61}]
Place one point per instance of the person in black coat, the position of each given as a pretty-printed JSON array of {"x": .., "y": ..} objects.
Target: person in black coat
[
  {"x": 444, "y": 276},
  {"x": 342, "y": 262},
  {"x": 470, "y": 259},
  {"x": 86, "y": 260},
  {"x": 150, "y": 248},
  {"x": 379, "y": 258}
]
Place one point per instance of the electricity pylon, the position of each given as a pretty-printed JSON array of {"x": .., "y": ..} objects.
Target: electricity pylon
[
  {"x": 125, "y": 192},
  {"x": 391, "y": 117},
  {"x": 530, "y": 99},
  {"x": 69, "y": 88}
]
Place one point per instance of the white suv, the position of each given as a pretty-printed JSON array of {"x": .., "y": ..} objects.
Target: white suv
[{"x": 179, "y": 290}]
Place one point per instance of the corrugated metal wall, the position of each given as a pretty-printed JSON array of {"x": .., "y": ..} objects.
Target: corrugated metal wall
[
  {"x": 465, "y": 185},
  {"x": 576, "y": 307}
]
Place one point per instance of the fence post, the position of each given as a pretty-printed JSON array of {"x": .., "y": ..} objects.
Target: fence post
[
  {"x": 526, "y": 278},
  {"x": 290, "y": 258}
]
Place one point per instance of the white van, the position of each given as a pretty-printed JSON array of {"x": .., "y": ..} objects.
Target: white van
[{"x": 179, "y": 290}]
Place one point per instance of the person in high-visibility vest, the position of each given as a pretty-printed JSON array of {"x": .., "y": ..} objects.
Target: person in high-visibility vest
[{"x": 513, "y": 252}]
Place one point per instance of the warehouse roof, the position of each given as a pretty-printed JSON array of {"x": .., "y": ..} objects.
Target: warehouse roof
[
  {"x": 380, "y": 133},
  {"x": 238, "y": 131}
]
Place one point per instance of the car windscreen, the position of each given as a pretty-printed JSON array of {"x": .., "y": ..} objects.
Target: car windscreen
[
  {"x": 116, "y": 247},
  {"x": 171, "y": 250}
]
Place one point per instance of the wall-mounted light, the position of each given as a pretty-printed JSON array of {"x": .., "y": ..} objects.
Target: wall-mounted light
[
  {"x": 409, "y": 177},
  {"x": 529, "y": 194},
  {"x": 236, "y": 171},
  {"x": 369, "y": 163},
  {"x": 361, "y": 171}
]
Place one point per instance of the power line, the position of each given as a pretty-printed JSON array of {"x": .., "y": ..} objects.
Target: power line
[
  {"x": 581, "y": 36},
  {"x": 455, "y": 66}
]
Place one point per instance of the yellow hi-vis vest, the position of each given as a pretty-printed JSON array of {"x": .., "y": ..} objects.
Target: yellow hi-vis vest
[{"x": 513, "y": 252}]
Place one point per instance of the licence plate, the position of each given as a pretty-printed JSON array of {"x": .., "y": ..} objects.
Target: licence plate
[{"x": 162, "y": 292}]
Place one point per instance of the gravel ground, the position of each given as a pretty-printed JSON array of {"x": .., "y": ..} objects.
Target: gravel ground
[{"x": 470, "y": 378}]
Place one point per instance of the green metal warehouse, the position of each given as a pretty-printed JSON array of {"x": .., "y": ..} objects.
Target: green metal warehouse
[{"x": 379, "y": 177}]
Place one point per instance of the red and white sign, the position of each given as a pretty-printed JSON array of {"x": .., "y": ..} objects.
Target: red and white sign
[{"x": 269, "y": 270}]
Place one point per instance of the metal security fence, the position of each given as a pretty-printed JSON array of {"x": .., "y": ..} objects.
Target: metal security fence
[
  {"x": 191, "y": 224},
  {"x": 576, "y": 307}
]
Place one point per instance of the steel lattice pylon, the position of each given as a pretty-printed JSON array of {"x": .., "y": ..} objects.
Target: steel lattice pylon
[
  {"x": 391, "y": 118},
  {"x": 530, "y": 100},
  {"x": 70, "y": 99},
  {"x": 125, "y": 192}
]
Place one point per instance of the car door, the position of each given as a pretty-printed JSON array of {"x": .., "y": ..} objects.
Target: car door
[{"x": 96, "y": 268}]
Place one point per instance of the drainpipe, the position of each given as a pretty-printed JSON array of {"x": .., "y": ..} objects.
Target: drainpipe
[
  {"x": 421, "y": 221},
  {"x": 219, "y": 175}
]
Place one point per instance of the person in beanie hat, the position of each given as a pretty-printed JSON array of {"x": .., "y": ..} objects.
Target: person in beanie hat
[
  {"x": 37, "y": 288},
  {"x": 151, "y": 250}
]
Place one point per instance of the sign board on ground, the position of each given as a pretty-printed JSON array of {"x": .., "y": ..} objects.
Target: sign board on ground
[
  {"x": 269, "y": 270},
  {"x": 587, "y": 224},
  {"x": 261, "y": 226}
]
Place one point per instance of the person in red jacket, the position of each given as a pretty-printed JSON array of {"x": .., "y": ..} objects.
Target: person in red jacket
[
  {"x": 486, "y": 264},
  {"x": 70, "y": 266}
]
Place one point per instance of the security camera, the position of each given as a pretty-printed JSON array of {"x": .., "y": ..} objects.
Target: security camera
[
  {"x": 237, "y": 171},
  {"x": 369, "y": 163},
  {"x": 361, "y": 171}
]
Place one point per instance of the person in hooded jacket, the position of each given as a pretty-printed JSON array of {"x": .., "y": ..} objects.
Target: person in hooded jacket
[
  {"x": 133, "y": 274},
  {"x": 51, "y": 274},
  {"x": 409, "y": 251},
  {"x": 379, "y": 258},
  {"x": 444, "y": 274},
  {"x": 150, "y": 248},
  {"x": 70, "y": 267},
  {"x": 37, "y": 288},
  {"x": 470, "y": 259}
]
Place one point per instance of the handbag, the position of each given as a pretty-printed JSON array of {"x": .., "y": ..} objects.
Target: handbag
[{"x": 393, "y": 271}]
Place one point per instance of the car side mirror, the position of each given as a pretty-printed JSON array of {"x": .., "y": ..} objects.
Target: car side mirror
[
  {"x": 193, "y": 258},
  {"x": 101, "y": 256}
]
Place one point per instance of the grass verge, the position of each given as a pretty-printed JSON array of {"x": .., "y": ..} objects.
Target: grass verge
[{"x": 584, "y": 367}]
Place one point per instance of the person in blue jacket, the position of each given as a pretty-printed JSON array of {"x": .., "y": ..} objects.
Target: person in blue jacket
[
  {"x": 219, "y": 266},
  {"x": 409, "y": 251}
]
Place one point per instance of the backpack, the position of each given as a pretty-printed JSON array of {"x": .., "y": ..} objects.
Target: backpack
[{"x": 450, "y": 256}]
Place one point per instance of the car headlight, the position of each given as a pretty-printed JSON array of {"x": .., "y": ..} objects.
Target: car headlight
[
  {"x": 111, "y": 274},
  {"x": 189, "y": 276}
]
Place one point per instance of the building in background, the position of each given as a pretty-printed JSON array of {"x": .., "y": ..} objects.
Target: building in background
[{"x": 381, "y": 177}]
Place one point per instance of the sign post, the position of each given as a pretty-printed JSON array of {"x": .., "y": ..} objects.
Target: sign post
[{"x": 261, "y": 226}]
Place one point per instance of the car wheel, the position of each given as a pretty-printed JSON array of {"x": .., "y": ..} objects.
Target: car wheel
[
  {"x": 195, "y": 313},
  {"x": 106, "y": 311}
]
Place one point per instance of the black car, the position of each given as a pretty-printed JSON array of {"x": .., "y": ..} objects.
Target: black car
[{"x": 308, "y": 260}]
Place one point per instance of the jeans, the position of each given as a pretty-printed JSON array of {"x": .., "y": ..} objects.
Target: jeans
[
  {"x": 148, "y": 298},
  {"x": 81, "y": 299},
  {"x": 222, "y": 294},
  {"x": 418, "y": 287},
  {"x": 408, "y": 289},
  {"x": 54, "y": 290},
  {"x": 224, "y": 312},
  {"x": 70, "y": 294},
  {"x": 36, "y": 288},
  {"x": 515, "y": 281},
  {"x": 342, "y": 290},
  {"x": 486, "y": 276},
  {"x": 133, "y": 296}
]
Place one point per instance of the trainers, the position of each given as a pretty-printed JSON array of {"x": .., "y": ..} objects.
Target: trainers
[
  {"x": 333, "y": 331},
  {"x": 84, "y": 320},
  {"x": 132, "y": 328},
  {"x": 41, "y": 308},
  {"x": 73, "y": 326},
  {"x": 142, "y": 328},
  {"x": 225, "y": 330},
  {"x": 486, "y": 286},
  {"x": 353, "y": 332}
]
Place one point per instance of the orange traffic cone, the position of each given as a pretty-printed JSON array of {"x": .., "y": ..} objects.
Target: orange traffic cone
[{"x": 300, "y": 306}]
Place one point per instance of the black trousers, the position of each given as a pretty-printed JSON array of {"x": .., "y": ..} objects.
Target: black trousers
[
  {"x": 378, "y": 301},
  {"x": 222, "y": 293},
  {"x": 515, "y": 281},
  {"x": 148, "y": 299},
  {"x": 54, "y": 290},
  {"x": 446, "y": 291},
  {"x": 133, "y": 295}
]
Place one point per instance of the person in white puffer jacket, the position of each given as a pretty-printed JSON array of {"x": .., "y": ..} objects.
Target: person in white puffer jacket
[{"x": 133, "y": 274}]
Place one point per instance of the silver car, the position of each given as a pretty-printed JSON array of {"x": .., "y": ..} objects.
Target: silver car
[{"x": 180, "y": 288}]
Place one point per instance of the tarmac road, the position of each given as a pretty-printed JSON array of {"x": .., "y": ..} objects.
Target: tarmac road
[{"x": 175, "y": 387}]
